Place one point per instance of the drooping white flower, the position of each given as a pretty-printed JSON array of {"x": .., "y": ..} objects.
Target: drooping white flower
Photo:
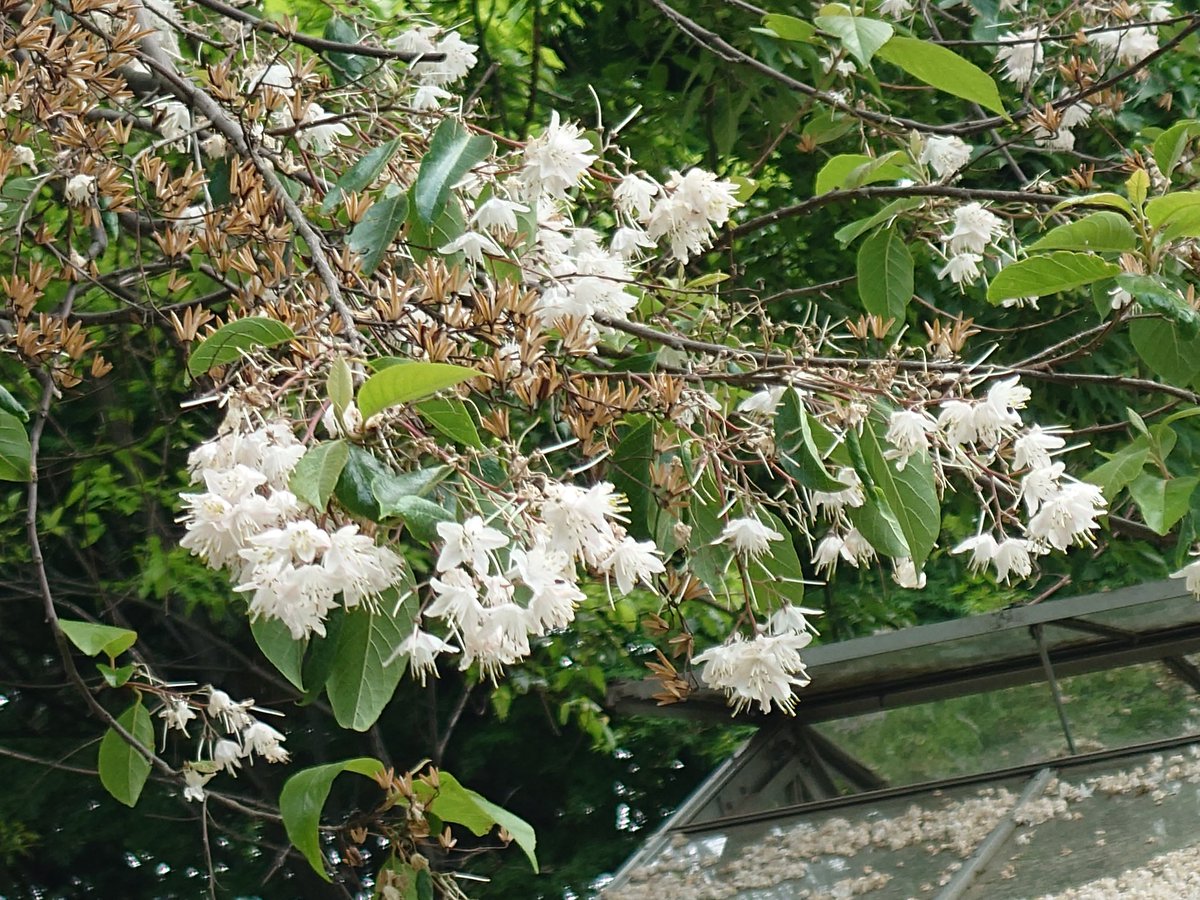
[
  {"x": 498, "y": 214},
  {"x": 1013, "y": 558},
  {"x": 23, "y": 156},
  {"x": 908, "y": 433},
  {"x": 214, "y": 146},
  {"x": 1022, "y": 61},
  {"x": 856, "y": 549},
  {"x": 358, "y": 567},
  {"x": 945, "y": 154},
  {"x": 1068, "y": 516},
  {"x": 1191, "y": 574},
  {"x": 765, "y": 670},
  {"x": 228, "y": 755},
  {"x": 1128, "y": 45},
  {"x": 627, "y": 241},
  {"x": 962, "y": 268},
  {"x": 763, "y": 402},
  {"x": 634, "y": 195},
  {"x": 261, "y": 738},
  {"x": 80, "y": 189},
  {"x": 473, "y": 245},
  {"x": 852, "y": 496},
  {"x": 194, "y": 781},
  {"x": 982, "y": 548},
  {"x": 691, "y": 206},
  {"x": 578, "y": 519},
  {"x": 457, "y": 597},
  {"x": 499, "y": 637},
  {"x": 231, "y": 715},
  {"x": 552, "y": 606},
  {"x": 318, "y": 131},
  {"x": 896, "y": 9},
  {"x": 974, "y": 228},
  {"x": 1039, "y": 484},
  {"x": 632, "y": 561},
  {"x": 793, "y": 619},
  {"x": 176, "y": 713},
  {"x": 173, "y": 120},
  {"x": 1033, "y": 448},
  {"x": 428, "y": 97},
  {"x": 469, "y": 542},
  {"x": 556, "y": 160},
  {"x": 749, "y": 536},
  {"x": 275, "y": 75},
  {"x": 827, "y": 553},
  {"x": 906, "y": 575},
  {"x": 422, "y": 649}
]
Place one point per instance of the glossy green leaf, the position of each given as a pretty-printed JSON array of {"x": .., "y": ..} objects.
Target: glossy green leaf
[
  {"x": 95, "y": 639},
  {"x": 15, "y": 452},
  {"x": 1166, "y": 349},
  {"x": 1154, "y": 295},
  {"x": 943, "y": 69},
  {"x": 453, "y": 152},
  {"x": 362, "y": 680},
  {"x": 355, "y": 488},
  {"x": 885, "y": 274},
  {"x": 1169, "y": 146},
  {"x": 1121, "y": 468},
  {"x": 420, "y": 515},
  {"x": 450, "y": 417},
  {"x": 1162, "y": 501},
  {"x": 347, "y": 67},
  {"x": 876, "y": 521},
  {"x": 789, "y": 28},
  {"x": 1169, "y": 212},
  {"x": 459, "y": 805},
  {"x": 707, "y": 559},
  {"x": 405, "y": 383},
  {"x": 124, "y": 770},
  {"x": 847, "y": 234},
  {"x": 796, "y": 445},
  {"x": 1104, "y": 199},
  {"x": 911, "y": 492},
  {"x": 229, "y": 342},
  {"x": 862, "y": 37},
  {"x": 851, "y": 170},
  {"x": 1100, "y": 232},
  {"x": 115, "y": 677},
  {"x": 285, "y": 653},
  {"x": 630, "y": 473},
  {"x": 11, "y": 405},
  {"x": 373, "y": 234},
  {"x": 303, "y": 797},
  {"x": 316, "y": 475},
  {"x": 1037, "y": 276},
  {"x": 362, "y": 174}
]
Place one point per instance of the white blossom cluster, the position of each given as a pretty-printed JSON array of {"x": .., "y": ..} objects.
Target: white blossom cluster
[
  {"x": 495, "y": 591},
  {"x": 975, "y": 229},
  {"x": 247, "y": 521},
  {"x": 230, "y": 735}
]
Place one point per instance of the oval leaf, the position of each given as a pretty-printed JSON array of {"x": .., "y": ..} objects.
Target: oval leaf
[
  {"x": 340, "y": 385},
  {"x": 95, "y": 639},
  {"x": 362, "y": 174},
  {"x": 373, "y": 234},
  {"x": 302, "y": 798},
  {"x": 862, "y": 37},
  {"x": 1163, "y": 347},
  {"x": 124, "y": 770},
  {"x": 230, "y": 341},
  {"x": 453, "y": 152},
  {"x": 450, "y": 416},
  {"x": 789, "y": 28},
  {"x": 1162, "y": 501},
  {"x": 885, "y": 274},
  {"x": 1038, "y": 276},
  {"x": 407, "y": 382},
  {"x": 455, "y": 803},
  {"x": 15, "y": 452},
  {"x": 943, "y": 69},
  {"x": 851, "y": 170},
  {"x": 317, "y": 473},
  {"x": 286, "y": 653},
  {"x": 911, "y": 492},
  {"x": 1100, "y": 231}
]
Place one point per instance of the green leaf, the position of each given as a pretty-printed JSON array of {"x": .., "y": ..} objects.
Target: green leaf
[
  {"x": 424, "y": 239},
  {"x": 361, "y": 682},
  {"x": 1164, "y": 347},
  {"x": 797, "y": 447},
  {"x": 355, "y": 486},
  {"x": 317, "y": 473},
  {"x": 231, "y": 340},
  {"x": 706, "y": 560},
  {"x": 1100, "y": 231},
  {"x": 16, "y": 456},
  {"x": 115, "y": 677},
  {"x": 943, "y": 69},
  {"x": 911, "y": 492},
  {"x": 303, "y": 797},
  {"x": 347, "y": 66},
  {"x": 789, "y": 28},
  {"x": 847, "y": 234},
  {"x": 851, "y": 170},
  {"x": 1162, "y": 501},
  {"x": 10, "y": 404},
  {"x": 373, "y": 234},
  {"x": 778, "y": 576},
  {"x": 1105, "y": 199},
  {"x": 420, "y": 515},
  {"x": 1137, "y": 186},
  {"x": 362, "y": 174},
  {"x": 1173, "y": 213},
  {"x": 453, "y": 152},
  {"x": 1153, "y": 294},
  {"x": 630, "y": 473},
  {"x": 457, "y": 804},
  {"x": 340, "y": 385},
  {"x": 885, "y": 274},
  {"x": 1169, "y": 146},
  {"x": 862, "y": 37},
  {"x": 1122, "y": 468},
  {"x": 1037, "y": 276},
  {"x": 95, "y": 639},
  {"x": 123, "y": 770},
  {"x": 414, "y": 380},
  {"x": 286, "y": 653},
  {"x": 450, "y": 416},
  {"x": 876, "y": 521}
]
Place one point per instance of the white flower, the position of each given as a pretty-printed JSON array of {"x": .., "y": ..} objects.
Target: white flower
[
  {"x": 556, "y": 160},
  {"x": 945, "y": 154},
  {"x": 1022, "y": 60},
  {"x": 498, "y": 637},
  {"x": 232, "y": 716},
  {"x": 23, "y": 156},
  {"x": 793, "y": 619},
  {"x": 214, "y": 146},
  {"x": 906, "y": 574},
  {"x": 1039, "y": 484},
  {"x": 1128, "y": 45},
  {"x": 974, "y": 228},
  {"x": 1033, "y": 448},
  {"x": 498, "y": 214},
  {"x": 299, "y": 541},
  {"x": 428, "y": 97},
  {"x": 1190, "y": 572},
  {"x": 422, "y": 649},
  {"x": 457, "y": 597},
  {"x": 1069, "y": 515},
  {"x": 1119, "y": 298},
  {"x": 632, "y": 561},
  {"x": 962, "y": 268},
  {"x": 473, "y": 245},
  {"x": 173, "y": 120},
  {"x": 763, "y": 670},
  {"x": 194, "y": 781},
  {"x": 261, "y": 738},
  {"x": 228, "y": 755},
  {"x": 763, "y": 402},
  {"x": 908, "y": 432},
  {"x": 276, "y": 75},
  {"x": 469, "y": 542},
  {"x": 692, "y": 205},
  {"x": 982, "y": 548},
  {"x": 627, "y": 241},
  {"x": 317, "y": 132},
  {"x": 357, "y": 567},
  {"x": 856, "y": 549},
  {"x": 852, "y": 496},
  {"x": 578, "y": 519},
  {"x": 635, "y": 195},
  {"x": 828, "y": 551},
  {"x": 80, "y": 189},
  {"x": 1013, "y": 558},
  {"x": 897, "y": 9},
  {"x": 749, "y": 536},
  {"x": 553, "y": 605},
  {"x": 176, "y": 713}
]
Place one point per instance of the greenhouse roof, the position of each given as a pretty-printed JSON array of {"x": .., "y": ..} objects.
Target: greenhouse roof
[{"x": 1037, "y": 751}]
